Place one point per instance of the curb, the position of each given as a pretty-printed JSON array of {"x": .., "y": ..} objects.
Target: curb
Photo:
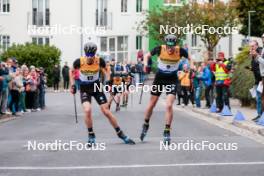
[
  {"x": 243, "y": 124},
  {"x": 8, "y": 118}
]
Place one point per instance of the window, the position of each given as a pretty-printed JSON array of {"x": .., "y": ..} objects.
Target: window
[
  {"x": 139, "y": 42},
  {"x": 116, "y": 46},
  {"x": 4, "y": 6},
  {"x": 4, "y": 42},
  {"x": 101, "y": 13},
  {"x": 194, "y": 40},
  {"x": 41, "y": 40},
  {"x": 104, "y": 44},
  {"x": 40, "y": 12},
  {"x": 122, "y": 48},
  {"x": 124, "y": 6},
  {"x": 173, "y": 2},
  {"x": 139, "y": 5}
]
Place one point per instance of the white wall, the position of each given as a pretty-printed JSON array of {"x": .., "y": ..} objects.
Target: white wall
[
  {"x": 122, "y": 24},
  {"x": 15, "y": 23},
  {"x": 66, "y": 14}
]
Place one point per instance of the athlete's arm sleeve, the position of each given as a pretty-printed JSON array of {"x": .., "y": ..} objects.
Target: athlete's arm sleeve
[
  {"x": 155, "y": 51},
  {"x": 183, "y": 53},
  {"x": 77, "y": 64}
]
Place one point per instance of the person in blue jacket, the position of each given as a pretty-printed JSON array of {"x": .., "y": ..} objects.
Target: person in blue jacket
[{"x": 207, "y": 80}]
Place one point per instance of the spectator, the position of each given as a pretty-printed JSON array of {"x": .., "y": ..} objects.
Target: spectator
[
  {"x": 16, "y": 87},
  {"x": 185, "y": 81},
  {"x": 210, "y": 65},
  {"x": 22, "y": 98},
  {"x": 31, "y": 90},
  {"x": 207, "y": 81},
  {"x": 256, "y": 72},
  {"x": 133, "y": 72},
  {"x": 20, "y": 91},
  {"x": 260, "y": 57},
  {"x": 4, "y": 73},
  {"x": 140, "y": 71},
  {"x": 149, "y": 66},
  {"x": 66, "y": 77},
  {"x": 56, "y": 78},
  {"x": 140, "y": 56},
  {"x": 41, "y": 88},
  {"x": 197, "y": 85},
  {"x": 222, "y": 69}
]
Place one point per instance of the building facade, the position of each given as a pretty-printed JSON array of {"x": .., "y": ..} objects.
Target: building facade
[{"x": 69, "y": 24}]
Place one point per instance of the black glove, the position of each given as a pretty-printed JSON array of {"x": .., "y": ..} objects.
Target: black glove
[{"x": 73, "y": 89}]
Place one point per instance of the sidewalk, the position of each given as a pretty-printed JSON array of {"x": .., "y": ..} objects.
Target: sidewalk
[{"x": 248, "y": 113}]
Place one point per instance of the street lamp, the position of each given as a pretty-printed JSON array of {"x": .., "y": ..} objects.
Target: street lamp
[{"x": 249, "y": 22}]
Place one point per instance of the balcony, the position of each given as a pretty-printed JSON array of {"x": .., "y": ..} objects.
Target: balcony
[{"x": 103, "y": 20}]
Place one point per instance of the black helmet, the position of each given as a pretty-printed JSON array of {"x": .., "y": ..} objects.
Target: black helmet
[
  {"x": 90, "y": 49},
  {"x": 170, "y": 40}
]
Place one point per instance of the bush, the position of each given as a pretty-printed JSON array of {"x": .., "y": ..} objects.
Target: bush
[
  {"x": 31, "y": 54},
  {"x": 243, "y": 79}
]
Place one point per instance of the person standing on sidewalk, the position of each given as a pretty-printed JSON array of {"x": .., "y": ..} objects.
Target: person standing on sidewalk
[
  {"x": 166, "y": 76},
  {"x": 197, "y": 85},
  {"x": 222, "y": 81},
  {"x": 5, "y": 91},
  {"x": 16, "y": 87},
  {"x": 56, "y": 78},
  {"x": 210, "y": 66},
  {"x": 183, "y": 61},
  {"x": 66, "y": 76},
  {"x": 41, "y": 87},
  {"x": 255, "y": 50},
  {"x": 185, "y": 81},
  {"x": 140, "y": 71},
  {"x": 207, "y": 81},
  {"x": 31, "y": 90},
  {"x": 260, "y": 58}
]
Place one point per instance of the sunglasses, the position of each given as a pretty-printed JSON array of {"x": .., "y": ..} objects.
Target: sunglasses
[{"x": 90, "y": 54}]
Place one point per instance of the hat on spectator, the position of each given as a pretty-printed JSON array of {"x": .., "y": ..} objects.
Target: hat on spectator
[{"x": 221, "y": 55}]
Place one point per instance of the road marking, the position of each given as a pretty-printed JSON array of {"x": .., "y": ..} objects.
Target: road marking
[{"x": 129, "y": 166}]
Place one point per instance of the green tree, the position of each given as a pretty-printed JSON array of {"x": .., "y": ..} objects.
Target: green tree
[
  {"x": 215, "y": 15},
  {"x": 257, "y": 18},
  {"x": 161, "y": 16},
  {"x": 38, "y": 55},
  {"x": 243, "y": 77}
]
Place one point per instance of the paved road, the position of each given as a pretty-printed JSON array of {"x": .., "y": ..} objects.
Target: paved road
[{"x": 57, "y": 123}]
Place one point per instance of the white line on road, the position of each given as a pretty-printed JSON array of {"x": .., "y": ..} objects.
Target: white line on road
[{"x": 129, "y": 166}]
